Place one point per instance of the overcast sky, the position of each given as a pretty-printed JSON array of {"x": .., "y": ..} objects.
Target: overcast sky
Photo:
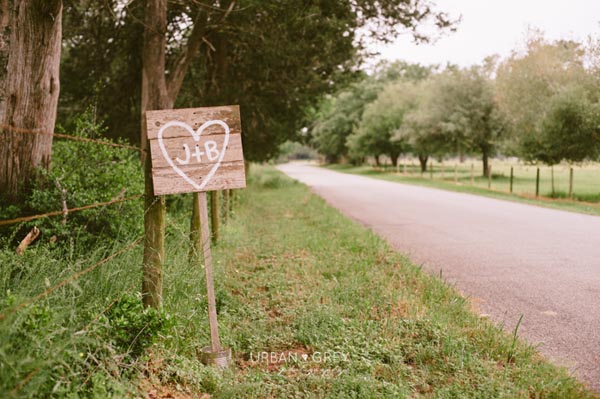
[{"x": 496, "y": 27}]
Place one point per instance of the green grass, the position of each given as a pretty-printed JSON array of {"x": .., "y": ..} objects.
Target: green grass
[
  {"x": 523, "y": 185},
  {"x": 293, "y": 277}
]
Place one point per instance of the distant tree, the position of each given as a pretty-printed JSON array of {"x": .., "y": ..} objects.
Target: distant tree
[
  {"x": 457, "y": 113},
  {"x": 569, "y": 130},
  {"x": 526, "y": 86},
  {"x": 339, "y": 116},
  {"x": 30, "y": 92},
  {"x": 381, "y": 119},
  {"x": 422, "y": 128}
]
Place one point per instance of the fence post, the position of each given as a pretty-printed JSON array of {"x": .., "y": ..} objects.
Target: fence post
[
  {"x": 511, "y": 179},
  {"x": 571, "y": 183},
  {"x": 154, "y": 240},
  {"x": 537, "y": 183},
  {"x": 195, "y": 231},
  {"x": 489, "y": 177},
  {"x": 225, "y": 205},
  {"x": 214, "y": 215}
]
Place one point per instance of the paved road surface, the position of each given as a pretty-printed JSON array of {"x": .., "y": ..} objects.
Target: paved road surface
[{"x": 511, "y": 258}]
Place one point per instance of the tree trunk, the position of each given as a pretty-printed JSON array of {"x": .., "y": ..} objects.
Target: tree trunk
[
  {"x": 159, "y": 93},
  {"x": 486, "y": 166},
  {"x": 423, "y": 161},
  {"x": 154, "y": 96},
  {"x": 377, "y": 160},
  {"x": 31, "y": 93},
  {"x": 5, "y": 8},
  {"x": 394, "y": 157}
]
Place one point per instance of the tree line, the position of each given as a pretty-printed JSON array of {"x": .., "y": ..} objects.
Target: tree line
[{"x": 540, "y": 104}]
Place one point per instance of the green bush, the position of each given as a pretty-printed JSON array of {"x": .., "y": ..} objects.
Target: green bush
[
  {"x": 133, "y": 328},
  {"x": 82, "y": 174}
]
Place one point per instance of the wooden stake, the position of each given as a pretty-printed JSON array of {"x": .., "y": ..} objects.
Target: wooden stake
[
  {"x": 225, "y": 205},
  {"x": 214, "y": 215},
  {"x": 154, "y": 242},
  {"x": 512, "y": 176},
  {"x": 571, "y": 183},
  {"x": 537, "y": 183},
  {"x": 195, "y": 232},
  {"x": 202, "y": 211},
  {"x": 29, "y": 238}
]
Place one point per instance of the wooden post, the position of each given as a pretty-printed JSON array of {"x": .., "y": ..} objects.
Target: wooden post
[
  {"x": 472, "y": 174},
  {"x": 202, "y": 211},
  {"x": 195, "y": 232},
  {"x": 552, "y": 178},
  {"x": 226, "y": 200},
  {"x": 154, "y": 241},
  {"x": 571, "y": 183},
  {"x": 512, "y": 176},
  {"x": 489, "y": 177},
  {"x": 537, "y": 183},
  {"x": 214, "y": 215},
  {"x": 431, "y": 170}
]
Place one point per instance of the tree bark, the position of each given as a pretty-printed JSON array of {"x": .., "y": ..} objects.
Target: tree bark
[
  {"x": 423, "y": 162},
  {"x": 154, "y": 96},
  {"x": 5, "y": 8},
  {"x": 31, "y": 92},
  {"x": 394, "y": 157},
  {"x": 485, "y": 161}
]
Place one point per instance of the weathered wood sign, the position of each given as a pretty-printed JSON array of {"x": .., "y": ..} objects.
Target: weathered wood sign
[{"x": 196, "y": 149}]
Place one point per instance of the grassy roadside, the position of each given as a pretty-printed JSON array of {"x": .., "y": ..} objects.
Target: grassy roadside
[
  {"x": 296, "y": 279},
  {"x": 312, "y": 304},
  {"x": 562, "y": 204}
]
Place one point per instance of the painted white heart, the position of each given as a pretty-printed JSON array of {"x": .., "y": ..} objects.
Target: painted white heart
[
  {"x": 304, "y": 356},
  {"x": 196, "y": 135}
]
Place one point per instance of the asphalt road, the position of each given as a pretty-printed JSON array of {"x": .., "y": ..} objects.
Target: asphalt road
[{"x": 512, "y": 259}]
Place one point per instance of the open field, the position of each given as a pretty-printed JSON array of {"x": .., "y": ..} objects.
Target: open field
[
  {"x": 585, "y": 187},
  {"x": 312, "y": 305}
]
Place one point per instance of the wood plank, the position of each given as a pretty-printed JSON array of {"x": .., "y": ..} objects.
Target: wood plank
[
  {"x": 175, "y": 149},
  {"x": 229, "y": 175},
  {"x": 194, "y": 117}
]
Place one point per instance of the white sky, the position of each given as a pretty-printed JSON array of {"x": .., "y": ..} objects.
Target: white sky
[{"x": 496, "y": 27}]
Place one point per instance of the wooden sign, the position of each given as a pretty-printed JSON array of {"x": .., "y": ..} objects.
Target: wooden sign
[{"x": 196, "y": 149}]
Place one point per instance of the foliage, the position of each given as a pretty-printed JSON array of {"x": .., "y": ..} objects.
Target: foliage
[
  {"x": 338, "y": 117},
  {"x": 541, "y": 92},
  {"x": 263, "y": 55},
  {"x": 381, "y": 119},
  {"x": 133, "y": 328},
  {"x": 83, "y": 174}
]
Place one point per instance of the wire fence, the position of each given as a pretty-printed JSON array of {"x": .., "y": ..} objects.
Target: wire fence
[
  {"x": 563, "y": 181},
  {"x": 14, "y": 129}
]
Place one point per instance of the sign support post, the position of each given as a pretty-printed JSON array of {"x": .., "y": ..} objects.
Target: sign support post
[{"x": 215, "y": 345}]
